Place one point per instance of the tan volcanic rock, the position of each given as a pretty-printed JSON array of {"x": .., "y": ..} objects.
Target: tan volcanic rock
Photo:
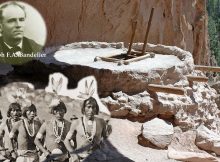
[
  {"x": 183, "y": 148},
  {"x": 177, "y": 23},
  {"x": 207, "y": 140},
  {"x": 158, "y": 132}
]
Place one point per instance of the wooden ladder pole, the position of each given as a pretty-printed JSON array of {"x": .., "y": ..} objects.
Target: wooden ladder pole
[
  {"x": 139, "y": 58},
  {"x": 147, "y": 32},
  {"x": 107, "y": 59},
  {"x": 134, "y": 26}
]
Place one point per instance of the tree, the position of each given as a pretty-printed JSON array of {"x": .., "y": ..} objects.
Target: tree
[{"x": 213, "y": 8}]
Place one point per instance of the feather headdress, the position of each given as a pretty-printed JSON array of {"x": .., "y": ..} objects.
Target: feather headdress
[
  {"x": 88, "y": 87},
  {"x": 89, "y": 90},
  {"x": 56, "y": 86},
  {"x": 20, "y": 97}
]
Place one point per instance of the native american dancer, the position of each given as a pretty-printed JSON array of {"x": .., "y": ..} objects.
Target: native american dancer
[
  {"x": 54, "y": 132},
  {"x": 87, "y": 132},
  {"x": 9, "y": 146},
  {"x": 24, "y": 131}
]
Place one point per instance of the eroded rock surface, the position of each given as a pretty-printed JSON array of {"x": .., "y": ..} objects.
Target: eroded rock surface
[
  {"x": 136, "y": 106},
  {"x": 207, "y": 140},
  {"x": 182, "y": 24},
  {"x": 183, "y": 148}
]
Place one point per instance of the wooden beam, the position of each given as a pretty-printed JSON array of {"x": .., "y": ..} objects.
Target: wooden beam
[
  {"x": 191, "y": 79},
  {"x": 109, "y": 56},
  {"x": 165, "y": 89},
  {"x": 107, "y": 59},
  {"x": 139, "y": 58},
  {"x": 197, "y": 78},
  {"x": 125, "y": 62},
  {"x": 207, "y": 68}
]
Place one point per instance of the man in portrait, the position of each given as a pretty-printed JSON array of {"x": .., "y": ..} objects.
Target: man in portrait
[{"x": 12, "y": 26}]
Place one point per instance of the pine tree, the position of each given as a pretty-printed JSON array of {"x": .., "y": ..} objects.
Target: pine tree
[
  {"x": 213, "y": 8},
  {"x": 218, "y": 8}
]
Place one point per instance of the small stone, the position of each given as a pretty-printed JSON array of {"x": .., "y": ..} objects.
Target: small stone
[{"x": 158, "y": 132}]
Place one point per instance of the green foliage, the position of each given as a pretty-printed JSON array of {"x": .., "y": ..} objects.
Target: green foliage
[{"x": 213, "y": 8}]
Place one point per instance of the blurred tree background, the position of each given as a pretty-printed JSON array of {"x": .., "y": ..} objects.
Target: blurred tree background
[{"x": 213, "y": 8}]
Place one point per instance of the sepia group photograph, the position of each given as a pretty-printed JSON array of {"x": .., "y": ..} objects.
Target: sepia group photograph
[{"x": 109, "y": 81}]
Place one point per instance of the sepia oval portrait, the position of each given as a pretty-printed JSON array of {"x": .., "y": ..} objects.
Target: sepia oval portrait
[{"x": 22, "y": 33}]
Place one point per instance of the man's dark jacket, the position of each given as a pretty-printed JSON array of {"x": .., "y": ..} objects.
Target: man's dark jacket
[{"x": 28, "y": 47}]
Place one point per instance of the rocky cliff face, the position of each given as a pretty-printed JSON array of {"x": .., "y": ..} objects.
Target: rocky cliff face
[{"x": 175, "y": 22}]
